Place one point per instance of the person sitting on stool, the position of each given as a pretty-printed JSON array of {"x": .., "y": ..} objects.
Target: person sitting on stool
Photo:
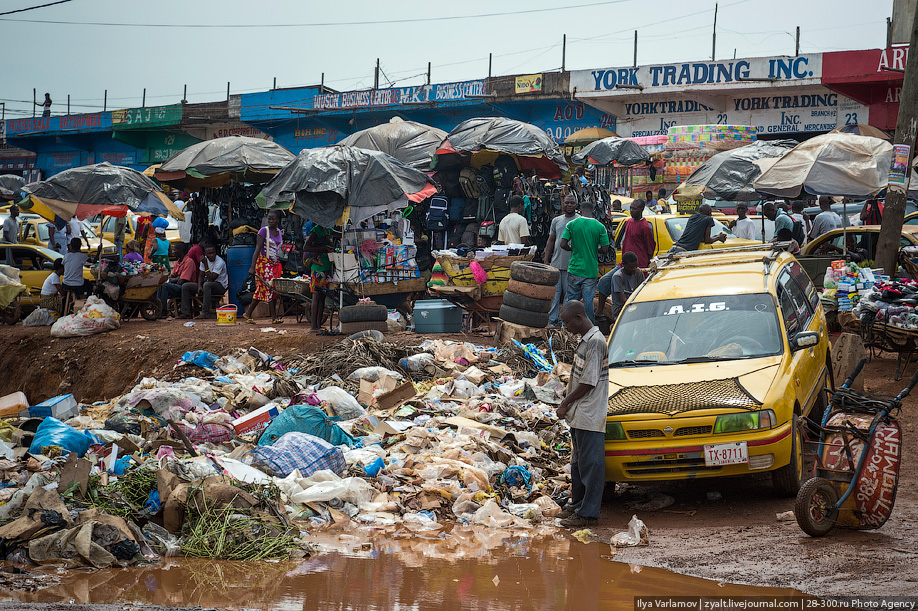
[{"x": 212, "y": 282}]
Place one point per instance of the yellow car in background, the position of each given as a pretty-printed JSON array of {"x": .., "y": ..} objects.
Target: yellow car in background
[
  {"x": 35, "y": 264},
  {"x": 668, "y": 228},
  {"x": 819, "y": 253},
  {"x": 713, "y": 364},
  {"x": 36, "y": 231},
  {"x": 108, "y": 229}
]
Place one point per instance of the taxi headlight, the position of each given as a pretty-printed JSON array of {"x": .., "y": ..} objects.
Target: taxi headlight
[
  {"x": 614, "y": 431},
  {"x": 749, "y": 421}
]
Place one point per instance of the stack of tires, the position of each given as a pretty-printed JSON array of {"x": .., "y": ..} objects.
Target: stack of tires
[
  {"x": 365, "y": 316},
  {"x": 528, "y": 297}
]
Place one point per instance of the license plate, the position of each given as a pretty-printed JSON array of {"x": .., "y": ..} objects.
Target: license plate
[{"x": 726, "y": 454}]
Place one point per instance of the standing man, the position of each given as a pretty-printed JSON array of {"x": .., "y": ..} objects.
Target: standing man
[
  {"x": 557, "y": 257},
  {"x": 650, "y": 201},
  {"x": 46, "y": 106},
  {"x": 825, "y": 221},
  {"x": 74, "y": 229},
  {"x": 698, "y": 231},
  {"x": 11, "y": 227},
  {"x": 638, "y": 235},
  {"x": 619, "y": 284},
  {"x": 119, "y": 230},
  {"x": 784, "y": 225},
  {"x": 743, "y": 226},
  {"x": 584, "y": 238},
  {"x": 184, "y": 226},
  {"x": 513, "y": 228},
  {"x": 584, "y": 407},
  {"x": 797, "y": 214},
  {"x": 212, "y": 282},
  {"x": 57, "y": 235},
  {"x": 662, "y": 201}
]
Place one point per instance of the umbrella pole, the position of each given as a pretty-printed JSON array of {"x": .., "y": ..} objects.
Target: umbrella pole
[
  {"x": 341, "y": 284},
  {"x": 762, "y": 214},
  {"x": 845, "y": 228}
]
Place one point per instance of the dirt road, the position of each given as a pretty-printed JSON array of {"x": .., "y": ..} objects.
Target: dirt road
[{"x": 735, "y": 537}]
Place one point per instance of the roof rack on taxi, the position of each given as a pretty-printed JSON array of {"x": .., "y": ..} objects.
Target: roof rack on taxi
[{"x": 772, "y": 250}]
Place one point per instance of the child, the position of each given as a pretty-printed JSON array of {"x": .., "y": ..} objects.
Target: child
[
  {"x": 73, "y": 269},
  {"x": 50, "y": 298},
  {"x": 133, "y": 254}
]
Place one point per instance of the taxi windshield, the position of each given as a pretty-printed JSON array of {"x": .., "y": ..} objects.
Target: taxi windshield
[{"x": 696, "y": 330}]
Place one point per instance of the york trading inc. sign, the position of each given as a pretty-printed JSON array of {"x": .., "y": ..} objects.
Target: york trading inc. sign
[{"x": 420, "y": 94}]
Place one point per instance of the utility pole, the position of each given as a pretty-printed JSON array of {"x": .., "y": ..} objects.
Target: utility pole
[
  {"x": 322, "y": 85},
  {"x": 797, "y": 44},
  {"x": 68, "y": 103},
  {"x": 105, "y": 101},
  {"x": 376, "y": 75},
  {"x": 143, "y": 103},
  {"x": 34, "y": 102},
  {"x": 888, "y": 32},
  {"x": 274, "y": 86},
  {"x": 563, "y": 52},
  {"x": 428, "y": 73},
  {"x": 714, "y": 34},
  {"x": 635, "y": 48},
  {"x": 227, "y": 90},
  {"x": 906, "y": 131},
  {"x": 490, "y": 57},
  {"x": 185, "y": 94}
]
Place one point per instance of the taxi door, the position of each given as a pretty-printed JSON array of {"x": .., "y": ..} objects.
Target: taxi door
[{"x": 807, "y": 364}]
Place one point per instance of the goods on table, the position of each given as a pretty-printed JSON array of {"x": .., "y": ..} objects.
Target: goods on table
[
  {"x": 847, "y": 283},
  {"x": 689, "y": 146}
]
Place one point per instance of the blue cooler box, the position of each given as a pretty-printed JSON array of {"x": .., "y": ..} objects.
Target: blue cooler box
[{"x": 437, "y": 316}]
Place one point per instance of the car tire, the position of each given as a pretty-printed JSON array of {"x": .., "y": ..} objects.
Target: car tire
[
  {"x": 368, "y": 312},
  {"x": 521, "y": 302},
  {"x": 349, "y": 328},
  {"x": 534, "y": 273},
  {"x": 788, "y": 479},
  {"x": 813, "y": 507},
  {"x": 533, "y": 291},
  {"x": 538, "y": 320}
]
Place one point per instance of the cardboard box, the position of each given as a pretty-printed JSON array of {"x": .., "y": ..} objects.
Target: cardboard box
[
  {"x": 62, "y": 407},
  {"x": 256, "y": 419},
  {"x": 396, "y": 396}
]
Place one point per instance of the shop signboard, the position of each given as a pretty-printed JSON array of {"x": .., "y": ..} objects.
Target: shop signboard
[
  {"x": 118, "y": 158},
  {"x": 562, "y": 118},
  {"x": 89, "y": 122},
  {"x": 528, "y": 83},
  {"x": 421, "y": 94},
  {"x": 142, "y": 118},
  {"x": 755, "y": 72},
  {"x": 690, "y": 207}
]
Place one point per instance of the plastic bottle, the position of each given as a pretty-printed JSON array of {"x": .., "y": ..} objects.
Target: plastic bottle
[{"x": 417, "y": 362}]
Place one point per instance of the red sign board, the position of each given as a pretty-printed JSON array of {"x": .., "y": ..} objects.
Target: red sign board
[{"x": 872, "y": 77}]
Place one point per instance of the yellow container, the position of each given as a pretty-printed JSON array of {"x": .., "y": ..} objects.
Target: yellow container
[{"x": 226, "y": 315}]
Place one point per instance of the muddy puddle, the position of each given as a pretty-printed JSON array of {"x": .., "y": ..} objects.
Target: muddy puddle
[{"x": 375, "y": 569}]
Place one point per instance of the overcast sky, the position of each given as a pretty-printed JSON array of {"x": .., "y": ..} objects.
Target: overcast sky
[{"x": 82, "y": 57}]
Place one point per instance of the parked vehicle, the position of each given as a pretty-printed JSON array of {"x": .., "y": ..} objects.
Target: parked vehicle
[
  {"x": 668, "y": 228},
  {"x": 818, "y": 254},
  {"x": 34, "y": 263},
  {"x": 713, "y": 364},
  {"x": 35, "y": 231}
]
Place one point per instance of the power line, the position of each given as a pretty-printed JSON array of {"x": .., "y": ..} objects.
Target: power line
[
  {"x": 197, "y": 26},
  {"x": 32, "y": 8}
]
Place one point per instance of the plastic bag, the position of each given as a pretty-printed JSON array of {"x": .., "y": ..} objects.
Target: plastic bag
[
  {"x": 164, "y": 542},
  {"x": 352, "y": 490},
  {"x": 40, "y": 317},
  {"x": 201, "y": 358},
  {"x": 548, "y": 506},
  {"x": 372, "y": 374},
  {"x": 306, "y": 419},
  {"x": 344, "y": 405},
  {"x": 53, "y": 432},
  {"x": 417, "y": 362},
  {"x": 491, "y": 515},
  {"x": 529, "y": 511},
  {"x": 94, "y": 317},
  {"x": 637, "y": 534}
]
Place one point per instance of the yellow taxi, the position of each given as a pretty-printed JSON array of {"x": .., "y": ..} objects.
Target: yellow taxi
[
  {"x": 713, "y": 364},
  {"x": 35, "y": 264},
  {"x": 36, "y": 231},
  {"x": 668, "y": 228},
  {"x": 108, "y": 229}
]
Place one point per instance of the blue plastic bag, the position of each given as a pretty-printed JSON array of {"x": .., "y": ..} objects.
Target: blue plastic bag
[
  {"x": 201, "y": 358},
  {"x": 517, "y": 476},
  {"x": 53, "y": 432},
  {"x": 306, "y": 419}
]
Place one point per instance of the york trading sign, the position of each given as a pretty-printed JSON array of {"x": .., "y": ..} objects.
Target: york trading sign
[
  {"x": 420, "y": 94},
  {"x": 749, "y": 73}
]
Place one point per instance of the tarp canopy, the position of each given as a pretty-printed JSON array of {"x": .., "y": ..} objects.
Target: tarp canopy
[
  {"x": 612, "y": 150},
  {"x": 729, "y": 175},
  {"x": 411, "y": 143},
  {"x": 529, "y": 145},
  {"x": 101, "y": 188},
  {"x": 589, "y": 134},
  {"x": 10, "y": 185},
  {"x": 322, "y": 182},
  {"x": 216, "y": 162},
  {"x": 862, "y": 130},
  {"x": 831, "y": 164}
]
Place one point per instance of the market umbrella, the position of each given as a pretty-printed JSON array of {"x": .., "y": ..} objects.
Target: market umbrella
[
  {"x": 479, "y": 141},
  {"x": 859, "y": 129},
  {"x": 589, "y": 134},
  {"x": 411, "y": 143},
  {"x": 10, "y": 185},
  {"x": 830, "y": 164},
  {"x": 322, "y": 182},
  {"x": 216, "y": 162},
  {"x": 612, "y": 150},
  {"x": 101, "y": 188},
  {"x": 728, "y": 175}
]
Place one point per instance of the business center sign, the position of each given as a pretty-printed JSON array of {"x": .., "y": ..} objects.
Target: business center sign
[{"x": 421, "y": 94}]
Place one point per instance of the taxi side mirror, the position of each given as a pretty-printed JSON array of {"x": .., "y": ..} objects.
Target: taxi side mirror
[{"x": 806, "y": 339}]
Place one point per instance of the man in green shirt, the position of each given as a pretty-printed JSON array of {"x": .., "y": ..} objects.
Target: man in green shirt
[{"x": 585, "y": 238}]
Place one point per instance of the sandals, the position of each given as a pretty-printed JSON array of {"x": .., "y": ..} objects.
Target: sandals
[
  {"x": 277, "y": 321},
  {"x": 250, "y": 321}
]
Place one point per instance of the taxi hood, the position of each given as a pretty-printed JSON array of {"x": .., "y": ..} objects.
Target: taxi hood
[{"x": 741, "y": 384}]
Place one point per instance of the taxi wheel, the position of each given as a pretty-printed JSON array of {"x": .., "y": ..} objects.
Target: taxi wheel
[
  {"x": 787, "y": 479},
  {"x": 814, "y": 507}
]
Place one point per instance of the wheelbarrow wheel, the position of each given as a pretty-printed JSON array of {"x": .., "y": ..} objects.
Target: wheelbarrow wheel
[
  {"x": 10, "y": 314},
  {"x": 151, "y": 310},
  {"x": 813, "y": 507}
]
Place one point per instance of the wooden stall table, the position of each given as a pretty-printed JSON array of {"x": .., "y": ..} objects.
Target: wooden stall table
[{"x": 878, "y": 336}]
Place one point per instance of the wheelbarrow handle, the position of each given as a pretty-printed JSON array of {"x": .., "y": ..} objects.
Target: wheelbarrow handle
[
  {"x": 908, "y": 389},
  {"x": 855, "y": 373}
]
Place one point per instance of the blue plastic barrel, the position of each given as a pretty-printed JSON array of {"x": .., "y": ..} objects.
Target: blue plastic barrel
[{"x": 238, "y": 262}]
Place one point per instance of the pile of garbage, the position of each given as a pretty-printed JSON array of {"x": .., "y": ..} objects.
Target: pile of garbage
[{"x": 237, "y": 456}]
